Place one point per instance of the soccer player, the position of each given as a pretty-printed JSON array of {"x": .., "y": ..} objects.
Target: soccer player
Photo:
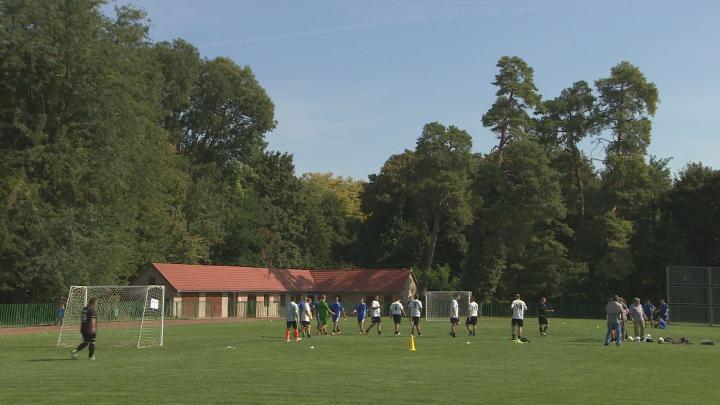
[
  {"x": 314, "y": 307},
  {"x": 88, "y": 328},
  {"x": 375, "y": 314},
  {"x": 454, "y": 315},
  {"x": 663, "y": 315},
  {"x": 542, "y": 316},
  {"x": 337, "y": 308},
  {"x": 397, "y": 311},
  {"x": 292, "y": 320},
  {"x": 650, "y": 313},
  {"x": 323, "y": 310},
  {"x": 60, "y": 311},
  {"x": 306, "y": 316},
  {"x": 415, "y": 307},
  {"x": 518, "y": 309},
  {"x": 471, "y": 321},
  {"x": 361, "y": 311}
]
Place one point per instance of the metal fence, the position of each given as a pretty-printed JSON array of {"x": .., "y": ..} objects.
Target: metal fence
[
  {"x": 693, "y": 294},
  {"x": 570, "y": 311},
  {"x": 23, "y": 315},
  {"x": 29, "y": 315}
]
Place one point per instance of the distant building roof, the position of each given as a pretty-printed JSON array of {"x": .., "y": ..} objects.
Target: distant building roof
[{"x": 194, "y": 277}]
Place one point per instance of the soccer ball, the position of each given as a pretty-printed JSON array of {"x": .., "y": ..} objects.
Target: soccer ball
[
  {"x": 661, "y": 340},
  {"x": 630, "y": 338}
]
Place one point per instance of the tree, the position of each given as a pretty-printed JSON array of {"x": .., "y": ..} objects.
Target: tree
[
  {"x": 391, "y": 235},
  {"x": 625, "y": 101},
  {"x": 513, "y": 240},
  {"x": 228, "y": 115},
  {"x": 567, "y": 121},
  {"x": 90, "y": 185},
  {"x": 179, "y": 63},
  {"x": 444, "y": 164},
  {"x": 517, "y": 95}
]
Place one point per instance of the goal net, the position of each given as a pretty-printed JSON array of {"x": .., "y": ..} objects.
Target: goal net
[
  {"x": 127, "y": 316},
  {"x": 437, "y": 304}
]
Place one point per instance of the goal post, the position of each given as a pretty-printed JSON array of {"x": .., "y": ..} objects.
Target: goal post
[
  {"x": 127, "y": 316},
  {"x": 437, "y": 304}
]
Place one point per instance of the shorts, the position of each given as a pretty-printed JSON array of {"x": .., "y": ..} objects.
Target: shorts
[
  {"x": 471, "y": 320},
  {"x": 397, "y": 318},
  {"x": 305, "y": 323},
  {"x": 518, "y": 322},
  {"x": 361, "y": 319},
  {"x": 89, "y": 337},
  {"x": 291, "y": 324},
  {"x": 376, "y": 319},
  {"x": 542, "y": 320},
  {"x": 416, "y": 320},
  {"x": 454, "y": 321},
  {"x": 336, "y": 319}
]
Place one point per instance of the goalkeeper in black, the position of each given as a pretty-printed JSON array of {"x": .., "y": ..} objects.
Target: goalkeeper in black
[{"x": 88, "y": 328}]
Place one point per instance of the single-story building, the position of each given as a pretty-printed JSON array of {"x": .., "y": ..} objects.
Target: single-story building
[{"x": 204, "y": 291}]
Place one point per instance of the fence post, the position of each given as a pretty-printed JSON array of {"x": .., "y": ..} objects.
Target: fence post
[
  {"x": 710, "y": 295},
  {"x": 26, "y": 315}
]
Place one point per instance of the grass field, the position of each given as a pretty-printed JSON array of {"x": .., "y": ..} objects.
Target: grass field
[{"x": 570, "y": 365}]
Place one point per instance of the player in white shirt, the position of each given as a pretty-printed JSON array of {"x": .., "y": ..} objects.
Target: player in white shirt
[
  {"x": 375, "y": 314},
  {"x": 471, "y": 321},
  {"x": 454, "y": 315},
  {"x": 306, "y": 316},
  {"x": 518, "y": 309},
  {"x": 415, "y": 307},
  {"x": 292, "y": 318},
  {"x": 397, "y": 311}
]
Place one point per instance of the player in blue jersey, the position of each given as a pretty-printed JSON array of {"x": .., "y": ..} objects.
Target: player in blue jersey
[
  {"x": 650, "y": 313},
  {"x": 337, "y": 308},
  {"x": 663, "y": 314},
  {"x": 361, "y": 311}
]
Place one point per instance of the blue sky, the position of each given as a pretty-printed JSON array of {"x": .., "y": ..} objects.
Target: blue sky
[{"x": 353, "y": 82}]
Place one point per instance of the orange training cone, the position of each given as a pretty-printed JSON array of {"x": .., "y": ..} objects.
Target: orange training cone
[{"x": 412, "y": 343}]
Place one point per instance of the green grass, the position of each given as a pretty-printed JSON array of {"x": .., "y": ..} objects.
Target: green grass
[{"x": 569, "y": 366}]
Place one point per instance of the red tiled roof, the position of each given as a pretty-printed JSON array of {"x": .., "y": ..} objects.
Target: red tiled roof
[
  {"x": 193, "y": 277},
  {"x": 361, "y": 280}
]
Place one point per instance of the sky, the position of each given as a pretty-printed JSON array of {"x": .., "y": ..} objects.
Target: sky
[{"x": 353, "y": 82}]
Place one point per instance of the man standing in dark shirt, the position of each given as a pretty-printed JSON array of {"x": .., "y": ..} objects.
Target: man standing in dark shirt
[
  {"x": 542, "y": 316},
  {"x": 88, "y": 328}
]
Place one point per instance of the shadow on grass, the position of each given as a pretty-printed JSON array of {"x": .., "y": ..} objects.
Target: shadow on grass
[{"x": 56, "y": 359}]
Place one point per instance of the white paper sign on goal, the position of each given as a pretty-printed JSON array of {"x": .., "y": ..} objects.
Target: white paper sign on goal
[{"x": 154, "y": 304}]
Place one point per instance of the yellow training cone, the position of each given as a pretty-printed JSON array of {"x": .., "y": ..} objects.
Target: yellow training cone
[{"x": 412, "y": 343}]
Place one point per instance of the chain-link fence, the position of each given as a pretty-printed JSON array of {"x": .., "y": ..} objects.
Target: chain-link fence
[{"x": 693, "y": 294}]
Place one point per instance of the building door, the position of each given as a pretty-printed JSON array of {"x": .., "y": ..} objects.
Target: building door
[
  {"x": 266, "y": 304},
  {"x": 251, "y": 306}
]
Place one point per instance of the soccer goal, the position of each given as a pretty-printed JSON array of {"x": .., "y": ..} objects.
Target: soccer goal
[
  {"x": 437, "y": 304},
  {"x": 127, "y": 316}
]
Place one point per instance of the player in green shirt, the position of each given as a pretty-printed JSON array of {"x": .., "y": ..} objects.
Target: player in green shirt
[{"x": 323, "y": 311}]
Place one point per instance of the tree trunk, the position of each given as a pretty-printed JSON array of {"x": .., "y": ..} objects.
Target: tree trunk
[
  {"x": 578, "y": 182},
  {"x": 430, "y": 254},
  {"x": 501, "y": 148}
]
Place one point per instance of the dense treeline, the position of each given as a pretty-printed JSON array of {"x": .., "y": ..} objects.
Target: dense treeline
[{"x": 116, "y": 152}]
